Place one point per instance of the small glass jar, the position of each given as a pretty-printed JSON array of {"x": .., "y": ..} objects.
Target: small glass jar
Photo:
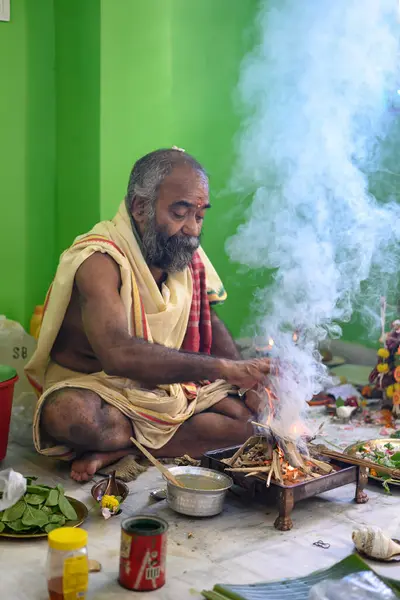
[{"x": 67, "y": 564}]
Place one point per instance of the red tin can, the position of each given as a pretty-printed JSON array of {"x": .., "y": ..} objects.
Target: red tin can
[{"x": 143, "y": 553}]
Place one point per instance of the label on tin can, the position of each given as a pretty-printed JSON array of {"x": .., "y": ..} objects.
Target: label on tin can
[{"x": 143, "y": 553}]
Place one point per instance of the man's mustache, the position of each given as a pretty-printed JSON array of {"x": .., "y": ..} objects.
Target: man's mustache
[{"x": 190, "y": 242}]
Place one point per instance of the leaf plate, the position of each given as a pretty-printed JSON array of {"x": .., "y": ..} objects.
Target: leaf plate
[
  {"x": 80, "y": 510},
  {"x": 351, "y": 450}
]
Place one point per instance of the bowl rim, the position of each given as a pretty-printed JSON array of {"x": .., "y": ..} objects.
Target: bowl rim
[
  {"x": 175, "y": 470},
  {"x": 105, "y": 479}
]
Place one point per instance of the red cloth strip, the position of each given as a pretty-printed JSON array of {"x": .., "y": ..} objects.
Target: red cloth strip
[{"x": 198, "y": 336}]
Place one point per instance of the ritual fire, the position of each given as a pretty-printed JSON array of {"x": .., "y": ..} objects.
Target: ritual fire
[
  {"x": 282, "y": 460},
  {"x": 286, "y": 476},
  {"x": 260, "y": 457}
]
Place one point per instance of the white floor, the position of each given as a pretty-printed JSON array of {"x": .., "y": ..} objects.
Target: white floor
[{"x": 239, "y": 546}]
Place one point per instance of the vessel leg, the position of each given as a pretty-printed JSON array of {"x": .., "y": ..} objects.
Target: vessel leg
[
  {"x": 285, "y": 506},
  {"x": 362, "y": 480}
]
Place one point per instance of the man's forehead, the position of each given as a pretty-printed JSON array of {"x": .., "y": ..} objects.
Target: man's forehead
[{"x": 184, "y": 179}]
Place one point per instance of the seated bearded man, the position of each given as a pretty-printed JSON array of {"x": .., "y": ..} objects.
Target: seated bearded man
[{"x": 129, "y": 344}]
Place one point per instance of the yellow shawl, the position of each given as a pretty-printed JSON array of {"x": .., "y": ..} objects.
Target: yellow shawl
[{"x": 158, "y": 316}]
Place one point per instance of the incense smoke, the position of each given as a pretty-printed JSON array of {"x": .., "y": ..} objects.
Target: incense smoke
[{"x": 315, "y": 90}]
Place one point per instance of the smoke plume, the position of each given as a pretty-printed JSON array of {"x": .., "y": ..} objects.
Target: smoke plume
[{"x": 315, "y": 91}]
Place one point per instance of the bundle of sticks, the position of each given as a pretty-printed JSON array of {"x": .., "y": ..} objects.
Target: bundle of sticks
[{"x": 258, "y": 457}]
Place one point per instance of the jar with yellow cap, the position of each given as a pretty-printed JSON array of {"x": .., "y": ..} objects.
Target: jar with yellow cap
[{"x": 67, "y": 564}]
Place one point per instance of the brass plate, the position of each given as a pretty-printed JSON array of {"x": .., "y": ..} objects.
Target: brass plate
[
  {"x": 351, "y": 450},
  {"x": 80, "y": 510}
]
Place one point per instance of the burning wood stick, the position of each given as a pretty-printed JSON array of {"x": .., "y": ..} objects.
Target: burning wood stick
[
  {"x": 276, "y": 466},
  {"x": 242, "y": 448},
  {"x": 260, "y": 425},
  {"x": 323, "y": 466},
  {"x": 265, "y": 469},
  {"x": 269, "y": 478},
  {"x": 295, "y": 457}
]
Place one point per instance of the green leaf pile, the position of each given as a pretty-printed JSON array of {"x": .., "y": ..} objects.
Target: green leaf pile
[{"x": 40, "y": 510}]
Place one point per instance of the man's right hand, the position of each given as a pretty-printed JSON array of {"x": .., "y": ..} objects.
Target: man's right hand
[{"x": 246, "y": 373}]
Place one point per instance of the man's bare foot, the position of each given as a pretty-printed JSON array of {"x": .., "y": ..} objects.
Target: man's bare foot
[{"x": 84, "y": 468}]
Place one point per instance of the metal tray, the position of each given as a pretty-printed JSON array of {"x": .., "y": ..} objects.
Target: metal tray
[{"x": 286, "y": 496}]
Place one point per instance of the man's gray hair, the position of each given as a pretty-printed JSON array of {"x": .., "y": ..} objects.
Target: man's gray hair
[{"x": 149, "y": 172}]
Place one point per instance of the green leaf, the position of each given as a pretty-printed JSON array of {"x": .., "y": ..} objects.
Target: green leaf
[
  {"x": 52, "y": 498},
  {"x": 395, "y": 457},
  {"x": 339, "y": 402},
  {"x": 386, "y": 485},
  {"x": 34, "y": 517},
  {"x": 57, "y": 519},
  {"x": 14, "y": 512},
  {"x": 60, "y": 489},
  {"x": 46, "y": 509},
  {"x": 34, "y": 499},
  {"x": 18, "y": 525},
  {"x": 1, "y": 526},
  {"x": 51, "y": 526},
  {"x": 29, "y": 479},
  {"x": 67, "y": 509},
  {"x": 43, "y": 490}
]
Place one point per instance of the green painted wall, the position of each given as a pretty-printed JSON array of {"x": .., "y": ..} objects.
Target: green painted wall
[
  {"x": 27, "y": 149},
  {"x": 77, "y": 51},
  {"x": 87, "y": 88},
  {"x": 168, "y": 71}
]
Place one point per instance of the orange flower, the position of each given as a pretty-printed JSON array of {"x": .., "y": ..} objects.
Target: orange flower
[
  {"x": 366, "y": 391},
  {"x": 396, "y": 399},
  {"x": 397, "y": 374}
]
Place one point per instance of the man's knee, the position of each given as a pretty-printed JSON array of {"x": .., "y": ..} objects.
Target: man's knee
[
  {"x": 72, "y": 416},
  {"x": 233, "y": 408}
]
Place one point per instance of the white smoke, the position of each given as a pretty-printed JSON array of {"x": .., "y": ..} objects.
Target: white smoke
[{"x": 315, "y": 93}]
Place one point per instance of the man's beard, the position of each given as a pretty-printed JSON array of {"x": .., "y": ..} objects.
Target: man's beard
[{"x": 169, "y": 253}]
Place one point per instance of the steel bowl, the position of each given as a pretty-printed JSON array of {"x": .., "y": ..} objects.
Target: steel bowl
[{"x": 197, "y": 503}]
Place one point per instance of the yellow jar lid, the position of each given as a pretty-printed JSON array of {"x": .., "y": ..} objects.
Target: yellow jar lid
[{"x": 67, "y": 538}]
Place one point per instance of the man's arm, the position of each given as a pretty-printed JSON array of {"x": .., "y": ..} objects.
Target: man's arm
[
  {"x": 222, "y": 341},
  {"x": 98, "y": 281},
  {"x": 224, "y": 346}
]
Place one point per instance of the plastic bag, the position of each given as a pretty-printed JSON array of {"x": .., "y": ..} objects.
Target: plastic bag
[
  {"x": 23, "y": 411},
  {"x": 16, "y": 349},
  {"x": 359, "y": 586},
  {"x": 13, "y": 487}
]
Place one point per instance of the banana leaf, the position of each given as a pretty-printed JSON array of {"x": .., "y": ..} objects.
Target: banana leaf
[{"x": 293, "y": 589}]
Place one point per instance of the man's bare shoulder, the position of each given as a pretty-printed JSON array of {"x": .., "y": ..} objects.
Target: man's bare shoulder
[{"x": 98, "y": 274}]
